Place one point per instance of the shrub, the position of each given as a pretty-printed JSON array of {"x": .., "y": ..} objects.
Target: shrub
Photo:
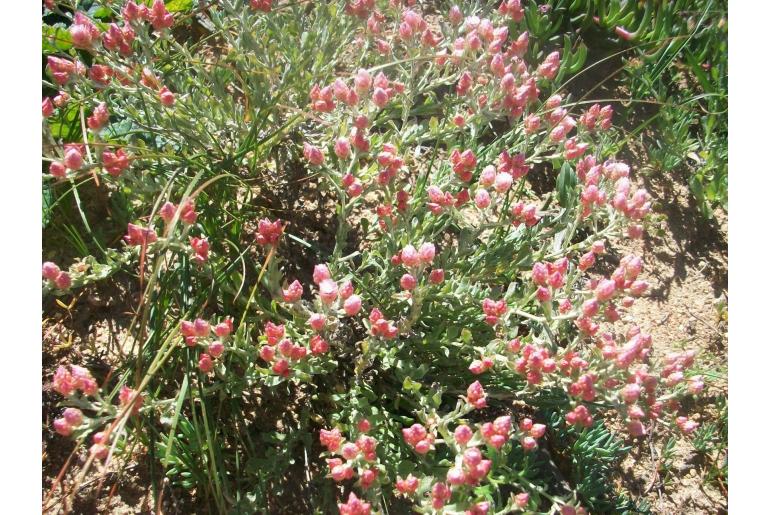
[{"x": 469, "y": 290}]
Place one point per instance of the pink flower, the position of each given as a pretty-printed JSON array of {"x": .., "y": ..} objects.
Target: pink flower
[
  {"x": 408, "y": 282},
  {"x": 73, "y": 157},
  {"x": 267, "y": 353},
  {"x": 318, "y": 345},
  {"x": 630, "y": 393},
  {"x": 293, "y": 293},
  {"x": 130, "y": 396},
  {"x": 604, "y": 290},
  {"x": 99, "y": 118},
  {"x": 317, "y": 321},
  {"x": 342, "y": 147},
  {"x": 274, "y": 332},
  {"x": 61, "y": 426},
  {"x": 269, "y": 232},
  {"x": 159, "y": 16},
  {"x": 224, "y": 328},
  {"x": 166, "y": 97},
  {"x": 522, "y": 500},
  {"x": 83, "y": 31},
  {"x": 476, "y": 395},
  {"x": 537, "y": 431},
  {"x": 115, "y": 163},
  {"x": 455, "y": 15},
  {"x": 463, "y": 434},
  {"x": 503, "y": 182},
  {"x": 352, "y": 305},
  {"x": 407, "y": 486},
  {"x": 427, "y": 252},
  {"x": 543, "y": 294},
  {"x": 362, "y": 81},
  {"x": 528, "y": 443},
  {"x": 63, "y": 281},
  {"x": 138, "y": 235},
  {"x": 47, "y": 107},
  {"x": 312, "y": 154},
  {"x": 354, "y": 506},
  {"x": 321, "y": 272},
  {"x": 436, "y": 276},
  {"x": 281, "y": 367},
  {"x": 58, "y": 169},
  {"x": 63, "y": 382},
  {"x": 205, "y": 364},
  {"x": 482, "y": 198},
  {"x": 327, "y": 290},
  {"x": 50, "y": 270},
  {"x": 216, "y": 349},
  {"x": 410, "y": 257},
  {"x": 380, "y": 97},
  {"x": 331, "y": 439},
  {"x": 440, "y": 493}
]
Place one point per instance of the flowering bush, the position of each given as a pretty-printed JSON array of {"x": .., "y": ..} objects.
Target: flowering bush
[{"x": 469, "y": 310}]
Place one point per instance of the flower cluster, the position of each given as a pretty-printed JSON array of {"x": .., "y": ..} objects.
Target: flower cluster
[
  {"x": 356, "y": 459},
  {"x": 199, "y": 332}
]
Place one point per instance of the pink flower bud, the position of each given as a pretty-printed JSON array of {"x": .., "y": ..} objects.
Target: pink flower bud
[
  {"x": 57, "y": 169},
  {"x": 408, "y": 282},
  {"x": 342, "y": 147},
  {"x": 352, "y": 305},
  {"x": 327, "y": 290},
  {"x": 427, "y": 252},
  {"x": 267, "y": 353},
  {"x": 604, "y": 290},
  {"x": 312, "y": 154},
  {"x": 317, "y": 321},
  {"x": 73, "y": 416},
  {"x": 224, "y": 328},
  {"x": 455, "y": 15},
  {"x": 293, "y": 293},
  {"x": 50, "y": 270},
  {"x": 73, "y": 158},
  {"x": 638, "y": 288},
  {"x": 543, "y": 294},
  {"x": 62, "y": 427},
  {"x": 216, "y": 349},
  {"x": 166, "y": 97},
  {"x": 410, "y": 257},
  {"x": 482, "y": 198},
  {"x": 47, "y": 107},
  {"x": 63, "y": 281},
  {"x": 321, "y": 272},
  {"x": 528, "y": 443},
  {"x": 436, "y": 276},
  {"x": 380, "y": 97},
  {"x": 281, "y": 367},
  {"x": 537, "y": 431},
  {"x": 205, "y": 364},
  {"x": 463, "y": 434}
]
